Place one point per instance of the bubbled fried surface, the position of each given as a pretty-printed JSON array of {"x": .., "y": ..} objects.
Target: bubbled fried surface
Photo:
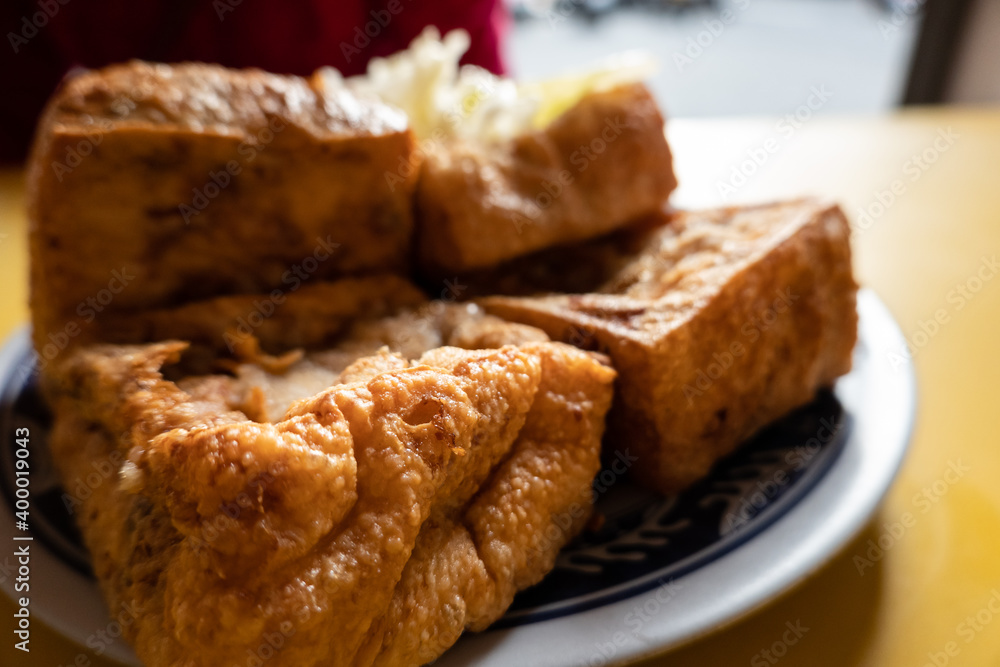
[{"x": 371, "y": 525}]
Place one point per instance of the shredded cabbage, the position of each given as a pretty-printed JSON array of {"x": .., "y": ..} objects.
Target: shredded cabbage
[{"x": 444, "y": 100}]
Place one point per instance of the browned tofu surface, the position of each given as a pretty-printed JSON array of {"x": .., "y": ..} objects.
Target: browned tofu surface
[
  {"x": 153, "y": 184},
  {"x": 371, "y": 524},
  {"x": 312, "y": 316},
  {"x": 595, "y": 168},
  {"x": 718, "y": 322}
]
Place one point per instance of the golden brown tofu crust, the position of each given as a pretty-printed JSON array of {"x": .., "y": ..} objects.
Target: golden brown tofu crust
[
  {"x": 718, "y": 323},
  {"x": 150, "y": 185},
  {"x": 595, "y": 168},
  {"x": 310, "y": 317},
  {"x": 371, "y": 525}
]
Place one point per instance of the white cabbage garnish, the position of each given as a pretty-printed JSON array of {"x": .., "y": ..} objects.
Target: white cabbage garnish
[
  {"x": 443, "y": 100},
  {"x": 560, "y": 93}
]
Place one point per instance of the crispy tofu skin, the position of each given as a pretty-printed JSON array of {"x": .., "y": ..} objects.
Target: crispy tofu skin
[
  {"x": 150, "y": 185},
  {"x": 718, "y": 322},
  {"x": 371, "y": 525},
  {"x": 600, "y": 165}
]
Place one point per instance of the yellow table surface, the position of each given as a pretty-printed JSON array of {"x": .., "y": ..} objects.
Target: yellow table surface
[{"x": 922, "y": 598}]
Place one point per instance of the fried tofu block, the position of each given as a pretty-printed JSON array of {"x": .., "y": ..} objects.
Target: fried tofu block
[
  {"x": 150, "y": 185},
  {"x": 595, "y": 168},
  {"x": 718, "y": 322},
  {"x": 371, "y": 524},
  {"x": 312, "y": 316}
]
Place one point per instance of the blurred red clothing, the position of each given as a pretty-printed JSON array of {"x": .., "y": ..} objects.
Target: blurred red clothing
[{"x": 45, "y": 38}]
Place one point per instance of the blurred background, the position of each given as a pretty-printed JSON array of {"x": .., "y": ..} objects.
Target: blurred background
[
  {"x": 716, "y": 57},
  {"x": 732, "y": 57},
  {"x": 763, "y": 57}
]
